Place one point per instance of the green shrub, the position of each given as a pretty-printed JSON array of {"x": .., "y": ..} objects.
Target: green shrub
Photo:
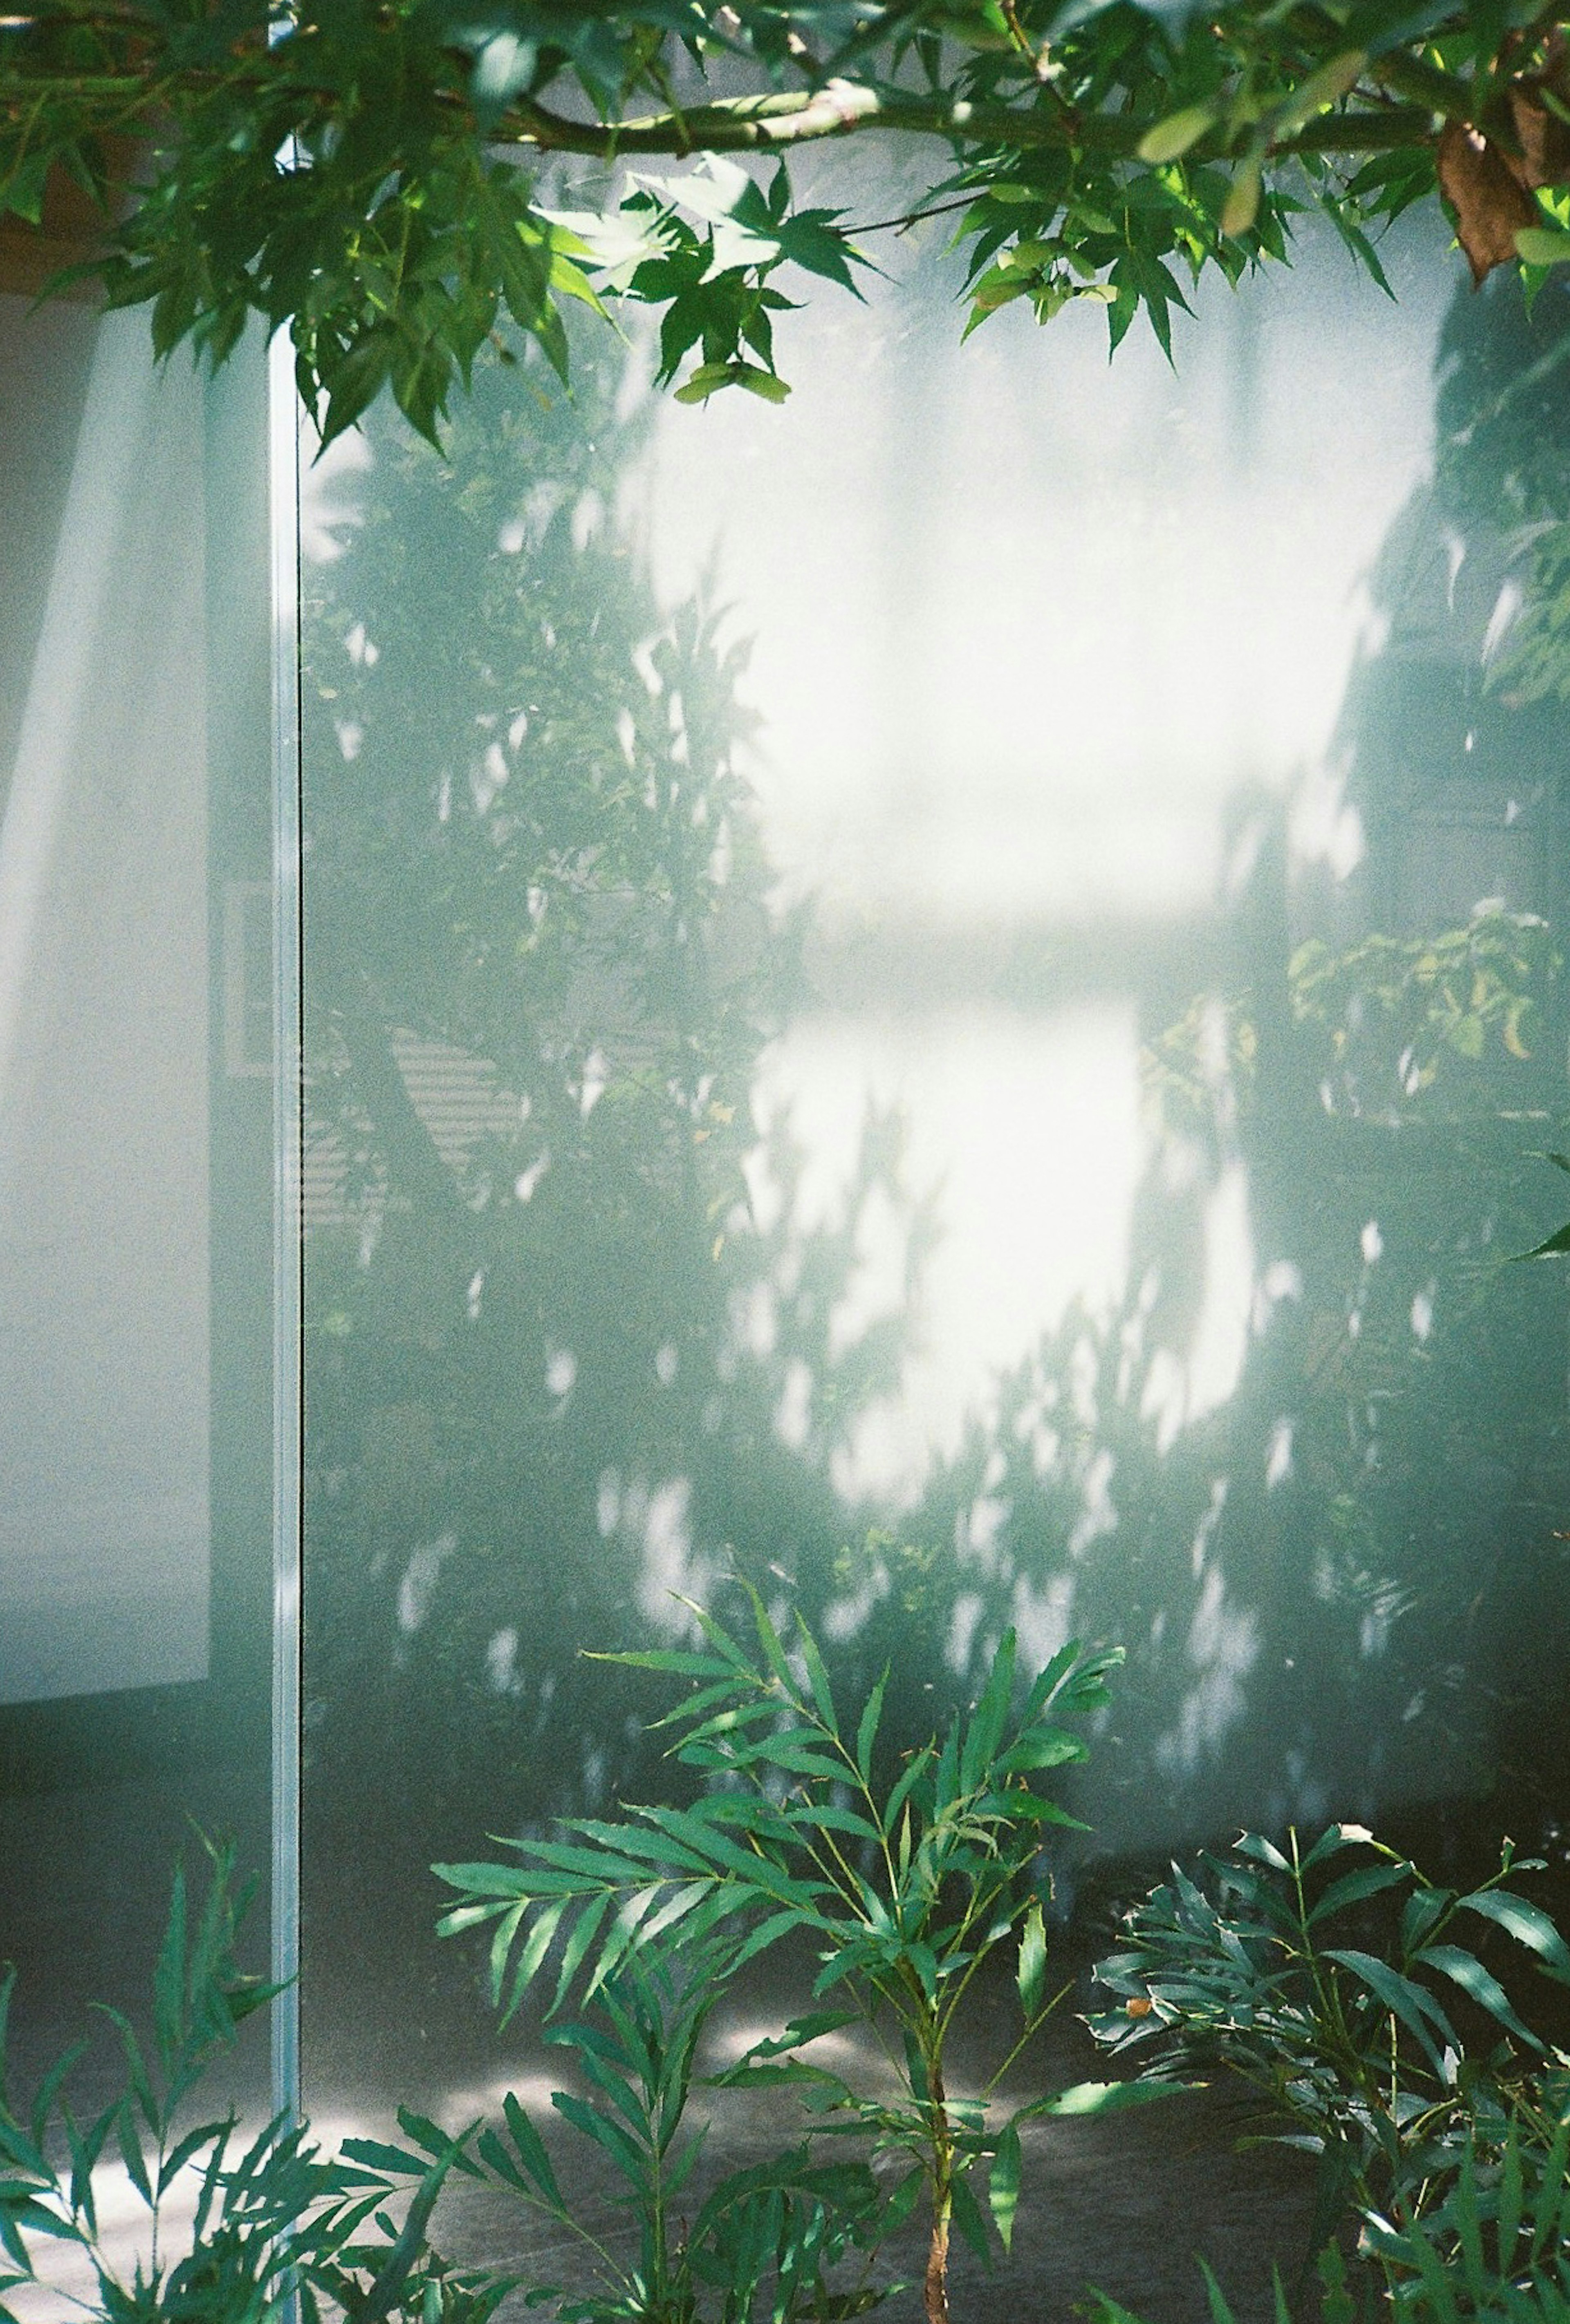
[
  {"x": 905, "y": 1882},
  {"x": 274, "y": 2220}
]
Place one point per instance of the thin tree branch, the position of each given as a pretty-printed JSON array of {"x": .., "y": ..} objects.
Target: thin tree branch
[{"x": 840, "y": 108}]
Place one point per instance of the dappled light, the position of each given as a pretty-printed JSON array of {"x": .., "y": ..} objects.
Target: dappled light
[{"x": 904, "y": 1059}]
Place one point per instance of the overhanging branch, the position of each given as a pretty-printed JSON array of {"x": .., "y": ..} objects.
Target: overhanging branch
[{"x": 842, "y": 108}]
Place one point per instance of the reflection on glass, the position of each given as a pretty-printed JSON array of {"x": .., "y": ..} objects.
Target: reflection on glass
[
  {"x": 900, "y": 998},
  {"x": 136, "y": 1153},
  {"x": 104, "y": 1381}
]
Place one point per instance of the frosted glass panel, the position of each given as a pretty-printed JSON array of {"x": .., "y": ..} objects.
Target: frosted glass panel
[
  {"x": 945, "y": 997},
  {"x": 104, "y": 1125}
]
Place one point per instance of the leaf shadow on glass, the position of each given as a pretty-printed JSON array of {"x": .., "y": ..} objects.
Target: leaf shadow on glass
[{"x": 553, "y": 1335}]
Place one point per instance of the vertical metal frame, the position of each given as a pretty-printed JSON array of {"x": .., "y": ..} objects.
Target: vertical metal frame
[{"x": 283, "y": 494}]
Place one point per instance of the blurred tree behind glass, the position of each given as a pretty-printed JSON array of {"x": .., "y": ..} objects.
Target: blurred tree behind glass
[{"x": 553, "y": 1330}]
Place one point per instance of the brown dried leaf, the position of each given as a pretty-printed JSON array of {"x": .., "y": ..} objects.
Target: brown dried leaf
[
  {"x": 1490, "y": 203},
  {"x": 1544, "y": 139}
]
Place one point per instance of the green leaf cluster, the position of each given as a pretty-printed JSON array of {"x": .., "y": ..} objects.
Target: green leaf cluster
[
  {"x": 759, "y": 2243},
  {"x": 905, "y": 1879},
  {"x": 1495, "y": 2251},
  {"x": 1498, "y": 2245},
  {"x": 1390, "y": 1026},
  {"x": 1332, "y": 1981},
  {"x": 344, "y": 167},
  {"x": 276, "y": 2222}
]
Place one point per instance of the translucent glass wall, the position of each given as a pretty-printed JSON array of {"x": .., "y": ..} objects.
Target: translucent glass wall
[
  {"x": 945, "y": 997},
  {"x": 137, "y": 1142}
]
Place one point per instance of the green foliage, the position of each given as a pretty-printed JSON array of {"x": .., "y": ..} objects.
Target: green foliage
[
  {"x": 1498, "y": 2246},
  {"x": 273, "y": 2219},
  {"x": 342, "y": 169},
  {"x": 1535, "y": 666},
  {"x": 1457, "y": 994},
  {"x": 760, "y": 2242},
  {"x": 1105, "y": 2310},
  {"x": 1495, "y": 2251},
  {"x": 904, "y": 1878},
  {"x": 1558, "y": 1244},
  {"x": 1387, "y": 1026},
  {"x": 1269, "y": 1970}
]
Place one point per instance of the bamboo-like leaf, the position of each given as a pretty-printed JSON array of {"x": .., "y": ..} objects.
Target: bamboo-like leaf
[
  {"x": 585, "y": 1930},
  {"x": 968, "y": 2219},
  {"x": 768, "y": 1932},
  {"x": 182, "y": 2153},
  {"x": 531, "y": 1959},
  {"x": 867, "y": 1737},
  {"x": 85, "y": 2151},
  {"x": 818, "y": 1677},
  {"x": 1464, "y": 1969},
  {"x": 803, "y": 2030},
  {"x": 792, "y": 1754},
  {"x": 721, "y": 1641},
  {"x": 436, "y": 2145},
  {"x": 1264, "y": 1851},
  {"x": 11, "y": 2241},
  {"x": 678, "y": 1906},
  {"x": 1170, "y": 139},
  {"x": 629, "y": 2159},
  {"x": 168, "y": 1975},
  {"x": 1424, "y": 1909},
  {"x": 945, "y": 1784},
  {"x": 507, "y": 1928},
  {"x": 1102, "y": 2098},
  {"x": 36, "y": 2219},
  {"x": 380, "y": 2154},
  {"x": 1527, "y": 1923},
  {"x": 1040, "y": 1810},
  {"x": 985, "y": 1730},
  {"x": 820, "y": 1815},
  {"x": 130, "y": 2146},
  {"x": 49, "y": 2091},
  {"x": 707, "y": 1699},
  {"x": 624, "y": 1931},
  {"x": 612, "y": 2085},
  {"x": 1039, "y": 1749},
  {"x": 1417, "y": 2010},
  {"x": 1558, "y": 1244},
  {"x": 1003, "y": 2185},
  {"x": 769, "y": 1638},
  {"x": 1354, "y": 1887},
  {"x": 915, "y": 1767},
  {"x": 1220, "y": 2313},
  {"x": 1335, "y": 1838},
  {"x": 674, "y": 1665},
  {"x": 486, "y": 1880},
  {"x": 1031, "y": 1976},
  {"x": 530, "y": 2149},
  {"x": 494, "y": 2154},
  {"x": 903, "y": 2198}
]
